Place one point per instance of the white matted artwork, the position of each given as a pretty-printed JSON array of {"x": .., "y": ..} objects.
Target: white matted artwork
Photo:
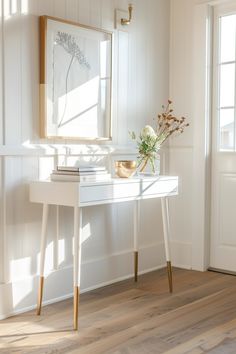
[{"x": 75, "y": 80}]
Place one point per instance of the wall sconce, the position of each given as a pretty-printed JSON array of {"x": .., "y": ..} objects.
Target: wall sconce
[{"x": 124, "y": 21}]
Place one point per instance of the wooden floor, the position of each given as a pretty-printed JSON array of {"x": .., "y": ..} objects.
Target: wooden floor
[{"x": 199, "y": 317}]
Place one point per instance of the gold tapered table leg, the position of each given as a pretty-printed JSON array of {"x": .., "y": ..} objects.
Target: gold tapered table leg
[
  {"x": 136, "y": 266},
  {"x": 169, "y": 271},
  {"x": 76, "y": 307},
  {"x": 40, "y": 295}
]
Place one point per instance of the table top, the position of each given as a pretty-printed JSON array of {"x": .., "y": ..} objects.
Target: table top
[{"x": 102, "y": 192}]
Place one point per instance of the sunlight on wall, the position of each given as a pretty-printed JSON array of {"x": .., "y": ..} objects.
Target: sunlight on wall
[
  {"x": 29, "y": 145},
  {"x": 24, "y": 6},
  {"x": 49, "y": 258},
  {"x": 46, "y": 164},
  {"x": 19, "y": 292},
  {"x": 76, "y": 161},
  {"x": 61, "y": 251},
  {"x": 7, "y": 10},
  {"x": 11, "y": 8},
  {"x": 86, "y": 232},
  {"x": 85, "y": 110},
  {"x": 20, "y": 267}
]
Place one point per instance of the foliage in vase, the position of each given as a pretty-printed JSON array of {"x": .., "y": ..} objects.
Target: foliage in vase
[{"x": 149, "y": 140}]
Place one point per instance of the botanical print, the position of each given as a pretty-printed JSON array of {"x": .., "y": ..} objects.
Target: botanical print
[
  {"x": 69, "y": 44},
  {"x": 78, "y": 81}
]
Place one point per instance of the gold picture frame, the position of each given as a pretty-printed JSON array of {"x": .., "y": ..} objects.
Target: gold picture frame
[{"x": 75, "y": 80}]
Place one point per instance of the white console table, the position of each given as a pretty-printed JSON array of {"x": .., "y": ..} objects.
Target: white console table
[{"x": 116, "y": 190}]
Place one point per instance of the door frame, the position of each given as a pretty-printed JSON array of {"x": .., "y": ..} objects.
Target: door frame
[
  {"x": 224, "y": 9},
  {"x": 202, "y": 108},
  {"x": 202, "y": 97}
]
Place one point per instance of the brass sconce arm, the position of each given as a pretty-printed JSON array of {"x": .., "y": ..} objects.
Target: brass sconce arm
[{"x": 125, "y": 21}]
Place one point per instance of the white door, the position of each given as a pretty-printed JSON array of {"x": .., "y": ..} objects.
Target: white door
[{"x": 223, "y": 204}]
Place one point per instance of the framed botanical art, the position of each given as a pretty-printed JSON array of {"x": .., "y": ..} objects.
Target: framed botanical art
[{"x": 75, "y": 80}]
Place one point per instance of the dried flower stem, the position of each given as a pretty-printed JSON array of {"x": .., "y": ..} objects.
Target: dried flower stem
[{"x": 145, "y": 164}]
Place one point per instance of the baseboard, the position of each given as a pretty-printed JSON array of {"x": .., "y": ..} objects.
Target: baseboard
[
  {"x": 69, "y": 296},
  {"x": 182, "y": 266},
  {"x": 20, "y": 296},
  {"x": 122, "y": 278},
  {"x": 222, "y": 271},
  {"x": 181, "y": 254}
]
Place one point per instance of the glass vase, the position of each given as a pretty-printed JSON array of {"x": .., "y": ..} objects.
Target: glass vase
[{"x": 149, "y": 165}]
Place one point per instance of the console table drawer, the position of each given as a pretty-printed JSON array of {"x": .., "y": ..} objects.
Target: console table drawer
[
  {"x": 108, "y": 192},
  {"x": 124, "y": 191},
  {"x": 111, "y": 191}
]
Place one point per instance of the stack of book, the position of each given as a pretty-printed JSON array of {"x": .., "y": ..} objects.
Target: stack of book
[{"x": 80, "y": 174}]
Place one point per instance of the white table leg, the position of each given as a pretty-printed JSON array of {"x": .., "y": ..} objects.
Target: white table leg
[
  {"x": 42, "y": 256},
  {"x": 77, "y": 260},
  {"x": 166, "y": 231},
  {"x": 136, "y": 231},
  {"x": 56, "y": 239}
]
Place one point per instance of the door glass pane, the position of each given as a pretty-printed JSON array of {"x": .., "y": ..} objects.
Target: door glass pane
[
  {"x": 227, "y": 85},
  {"x": 227, "y": 38},
  {"x": 227, "y": 129}
]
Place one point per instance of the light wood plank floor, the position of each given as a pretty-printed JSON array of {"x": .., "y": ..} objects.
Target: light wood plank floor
[{"x": 199, "y": 317}]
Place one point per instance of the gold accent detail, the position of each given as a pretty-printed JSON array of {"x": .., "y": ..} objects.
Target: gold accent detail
[
  {"x": 40, "y": 295},
  {"x": 124, "y": 21},
  {"x": 169, "y": 271},
  {"x": 126, "y": 168},
  {"x": 136, "y": 266},
  {"x": 76, "y": 307}
]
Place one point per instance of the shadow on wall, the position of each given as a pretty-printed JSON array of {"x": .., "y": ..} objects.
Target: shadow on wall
[
  {"x": 23, "y": 229},
  {"x": 99, "y": 241}
]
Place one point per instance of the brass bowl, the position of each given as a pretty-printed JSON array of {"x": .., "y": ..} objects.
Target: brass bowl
[{"x": 125, "y": 169}]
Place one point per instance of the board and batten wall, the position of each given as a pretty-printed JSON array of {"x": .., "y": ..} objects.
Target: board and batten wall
[
  {"x": 181, "y": 148},
  {"x": 189, "y": 154},
  {"x": 140, "y": 86}
]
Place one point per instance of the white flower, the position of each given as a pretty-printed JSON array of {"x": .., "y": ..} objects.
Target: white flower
[{"x": 148, "y": 131}]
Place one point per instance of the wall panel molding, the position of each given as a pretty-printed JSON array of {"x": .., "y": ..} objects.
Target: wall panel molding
[
  {"x": 52, "y": 150},
  {"x": 24, "y": 156},
  {"x": 94, "y": 274},
  {"x": 2, "y": 222}
]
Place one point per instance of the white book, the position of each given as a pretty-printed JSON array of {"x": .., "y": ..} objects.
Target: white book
[
  {"x": 88, "y": 168},
  {"x": 72, "y": 178},
  {"x": 79, "y": 173}
]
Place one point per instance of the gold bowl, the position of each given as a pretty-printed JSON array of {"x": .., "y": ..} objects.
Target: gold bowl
[{"x": 125, "y": 168}]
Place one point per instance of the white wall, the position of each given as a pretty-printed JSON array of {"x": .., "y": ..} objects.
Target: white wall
[
  {"x": 189, "y": 157},
  {"x": 181, "y": 148},
  {"x": 141, "y": 84}
]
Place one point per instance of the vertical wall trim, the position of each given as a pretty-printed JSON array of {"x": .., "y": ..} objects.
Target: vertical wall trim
[
  {"x": 201, "y": 157},
  {"x": 3, "y": 142},
  {"x": 208, "y": 132},
  {"x": 3, "y": 75},
  {"x": 3, "y": 217}
]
